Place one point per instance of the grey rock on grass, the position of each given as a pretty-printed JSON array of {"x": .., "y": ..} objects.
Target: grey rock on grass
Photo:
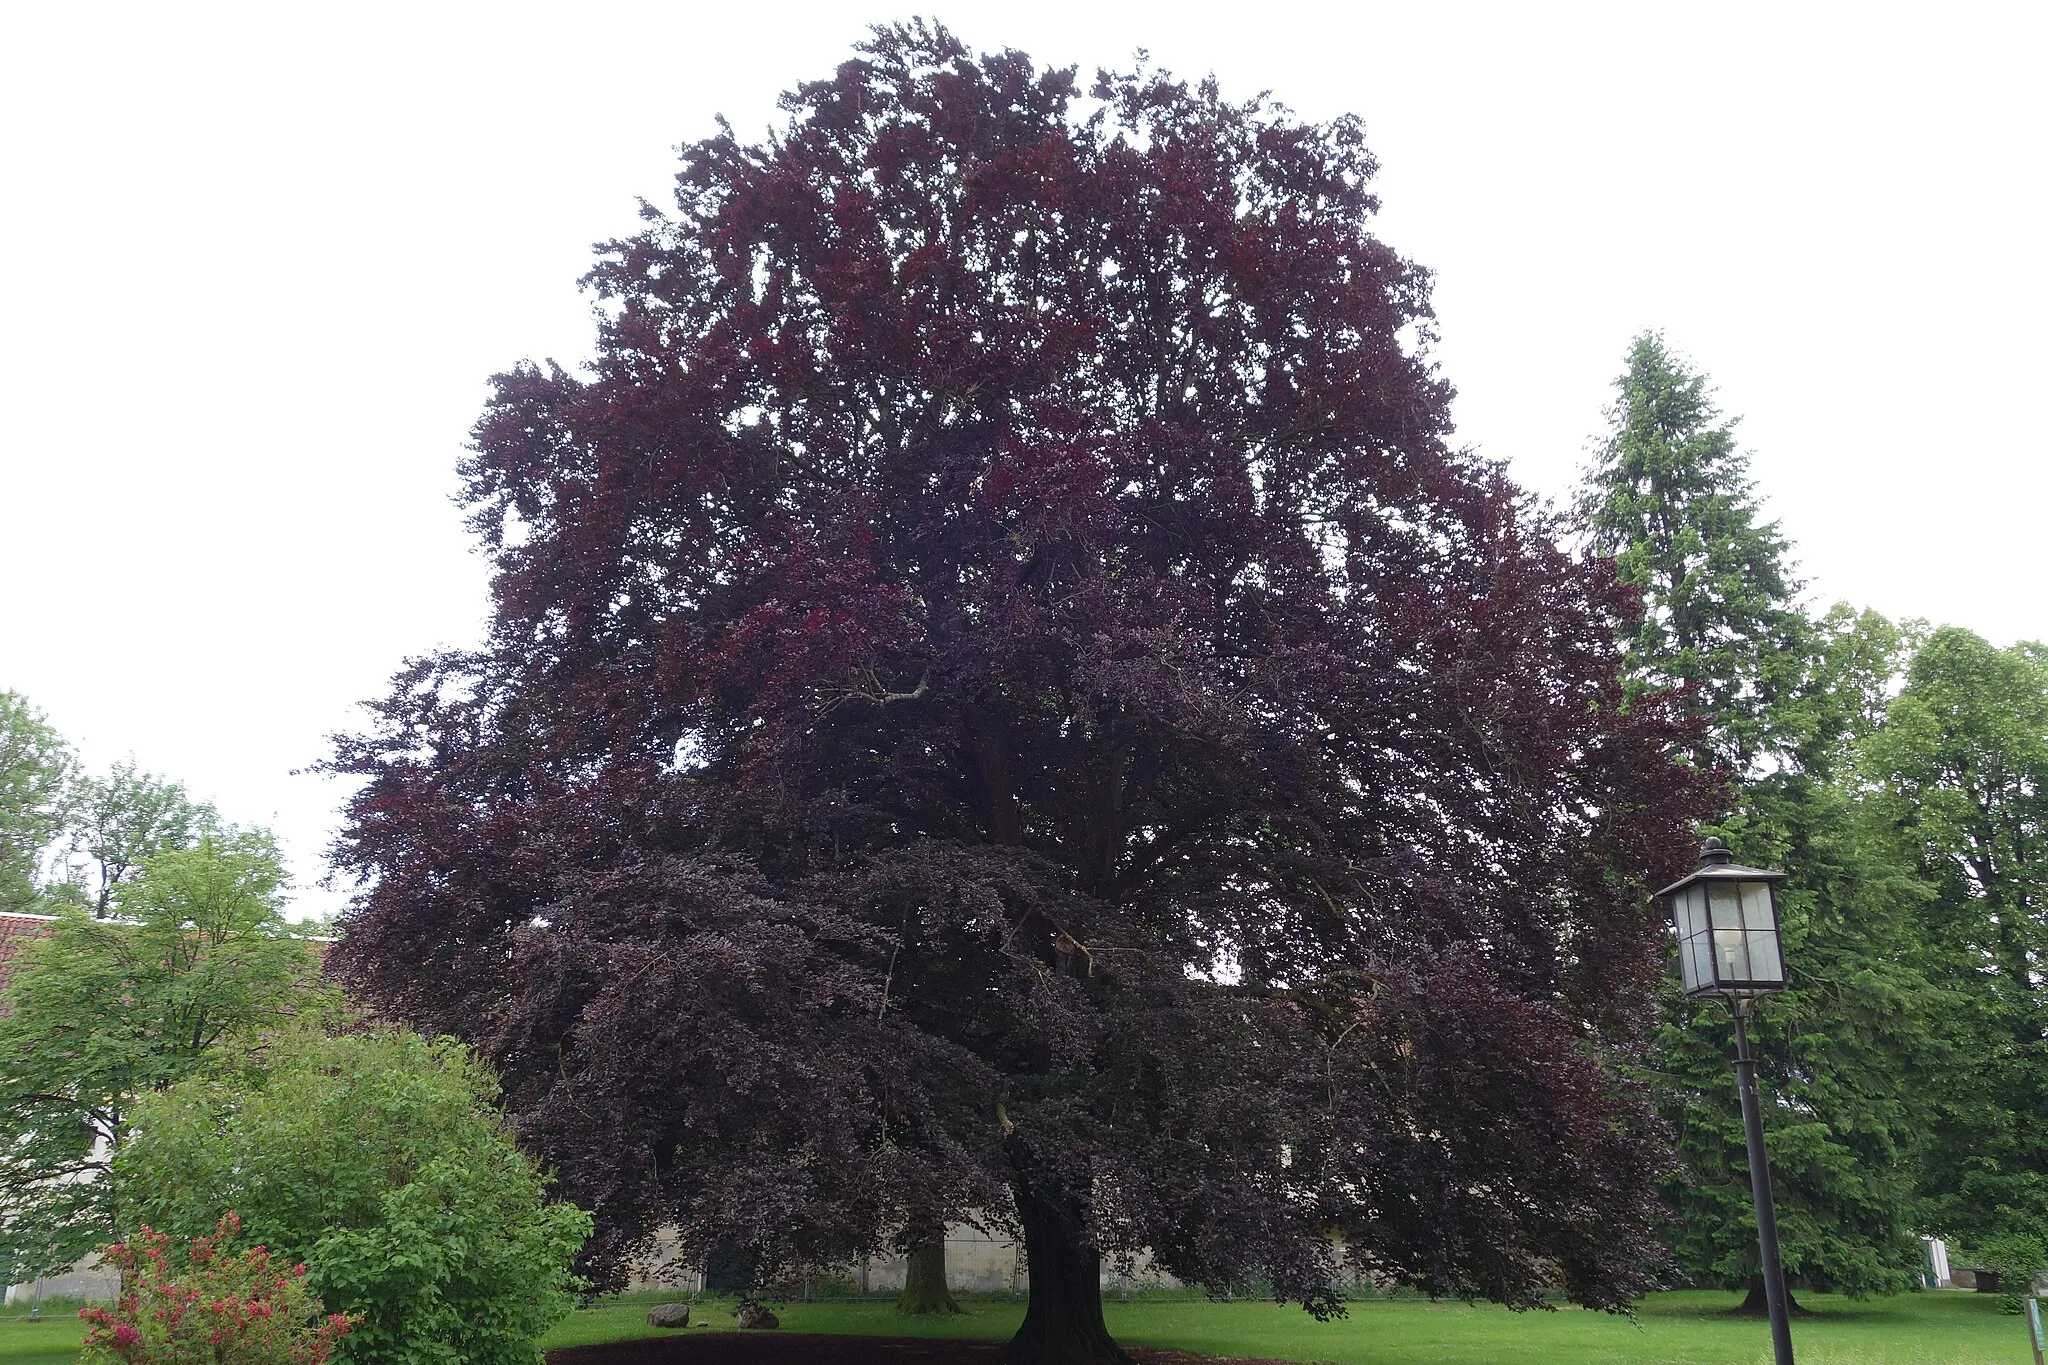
[{"x": 753, "y": 1315}]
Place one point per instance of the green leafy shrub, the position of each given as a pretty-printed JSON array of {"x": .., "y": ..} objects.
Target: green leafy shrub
[
  {"x": 380, "y": 1160},
  {"x": 2018, "y": 1258},
  {"x": 219, "y": 1309}
]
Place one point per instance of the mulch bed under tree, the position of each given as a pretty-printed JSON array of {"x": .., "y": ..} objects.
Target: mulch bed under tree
[{"x": 801, "y": 1348}]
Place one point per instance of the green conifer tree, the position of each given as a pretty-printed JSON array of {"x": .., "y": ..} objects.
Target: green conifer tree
[
  {"x": 1782, "y": 699},
  {"x": 1669, "y": 498}
]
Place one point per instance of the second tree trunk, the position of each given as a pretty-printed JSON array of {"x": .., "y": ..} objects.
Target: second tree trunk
[
  {"x": 1756, "y": 1303},
  {"x": 924, "y": 1280}
]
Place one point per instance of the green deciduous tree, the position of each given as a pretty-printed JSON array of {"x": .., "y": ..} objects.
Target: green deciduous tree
[
  {"x": 36, "y": 770},
  {"x": 381, "y": 1161},
  {"x": 1782, "y": 699},
  {"x": 121, "y": 820},
  {"x": 1962, "y": 768},
  {"x": 104, "y": 1011},
  {"x": 101, "y": 828}
]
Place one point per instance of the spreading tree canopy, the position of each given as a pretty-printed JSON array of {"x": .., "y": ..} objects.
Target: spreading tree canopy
[
  {"x": 120, "y": 820},
  {"x": 198, "y": 966},
  {"x": 36, "y": 769},
  {"x": 1962, "y": 769},
  {"x": 1002, "y": 697},
  {"x": 68, "y": 838}
]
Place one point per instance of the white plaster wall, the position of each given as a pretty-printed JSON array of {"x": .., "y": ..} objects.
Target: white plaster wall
[
  {"x": 86, "y": 1280},
  {"x": 977, "y": 1262}
]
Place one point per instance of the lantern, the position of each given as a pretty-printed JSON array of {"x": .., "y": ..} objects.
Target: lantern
[{"x": 1727, "y": 921}]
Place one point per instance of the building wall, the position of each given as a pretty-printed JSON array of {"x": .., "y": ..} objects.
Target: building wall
[
  {"x": 86, "y": 1280},
  {"x": 977, "y": 1262}
]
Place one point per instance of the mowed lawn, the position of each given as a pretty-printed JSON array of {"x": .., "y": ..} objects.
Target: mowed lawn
[
  {"x": 53, "y": 1341},
  {"x": 1936, "y": 1328},
  {"x": 1940, "y": 1328}
]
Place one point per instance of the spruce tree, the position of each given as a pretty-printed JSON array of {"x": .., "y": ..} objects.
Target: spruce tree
[
  {"x": 1669, "y": 498},
  {"x": 1780, "y": 700}
]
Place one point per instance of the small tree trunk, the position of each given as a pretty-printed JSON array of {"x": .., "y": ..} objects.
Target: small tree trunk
[
  {"x": 1063, "y": 1321},
  {"x": 1757, "y": 1304},
  {"x": 924, "y": 1280}
]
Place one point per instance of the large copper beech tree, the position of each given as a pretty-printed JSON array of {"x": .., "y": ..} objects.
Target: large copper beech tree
[{"x": 1003, "y": 702}]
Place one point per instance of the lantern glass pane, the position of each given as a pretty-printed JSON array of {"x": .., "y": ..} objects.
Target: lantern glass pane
[
  {"x": 1760, "y": 921},
  {"x": 1695, "y": 961},
  {"x": 1681, "y": 923},
  {"x": 1698, "y": 964},
  {"x": 1686, "y": 908},
  {"x": 1764, "y": 961},
  {"x": 1757, "y": 911},
  {"x": 1731, "y": 956},
  {"x": 1726, "y": 902}
]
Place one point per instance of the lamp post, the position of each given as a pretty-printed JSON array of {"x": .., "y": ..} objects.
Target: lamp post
[{"x": 1728, "y": 946}]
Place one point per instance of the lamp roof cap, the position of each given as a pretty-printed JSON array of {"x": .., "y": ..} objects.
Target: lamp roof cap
[{"x": 1718, "y": 865}]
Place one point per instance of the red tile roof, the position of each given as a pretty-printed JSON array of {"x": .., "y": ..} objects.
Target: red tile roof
[{"x": 16, "y": 933}]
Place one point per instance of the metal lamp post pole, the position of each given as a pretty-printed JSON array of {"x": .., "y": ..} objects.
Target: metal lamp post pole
[{"x": 1760, "y": 1188}]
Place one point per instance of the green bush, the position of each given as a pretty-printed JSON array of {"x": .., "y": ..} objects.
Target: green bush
[
  {"x": 379, "y": 1161},
  {"x": 2018, "y": 1258}
]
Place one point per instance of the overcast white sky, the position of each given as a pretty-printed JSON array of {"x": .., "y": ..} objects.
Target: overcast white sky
[{"x": 256, "y": 263}]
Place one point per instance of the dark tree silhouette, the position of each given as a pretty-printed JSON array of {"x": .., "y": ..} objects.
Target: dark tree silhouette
[{"x": 1002, "y": 698}]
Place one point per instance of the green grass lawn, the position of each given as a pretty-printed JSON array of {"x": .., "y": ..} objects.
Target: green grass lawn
[
  {"x": 1944, "y": 1328},
  {"x": 53, "y": 1341}
]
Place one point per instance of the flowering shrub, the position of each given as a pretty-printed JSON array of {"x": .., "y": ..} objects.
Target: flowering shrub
[
  {"x": 382, "y": 1160},
  {"x": 220, "y": 1309}
]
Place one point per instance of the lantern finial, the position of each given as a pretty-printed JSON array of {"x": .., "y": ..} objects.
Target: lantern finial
[{"x": 1714, "y": 853}]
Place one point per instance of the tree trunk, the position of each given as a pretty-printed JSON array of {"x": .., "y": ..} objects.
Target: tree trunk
[
  {"x": 1063, "y": 1320},
  {"x": 924, "y": 1281},
  {"x": 1756, "y": 1304}
]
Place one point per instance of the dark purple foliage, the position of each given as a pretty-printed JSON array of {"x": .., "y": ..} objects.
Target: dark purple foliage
[{"x": 1004, "y": 577}]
